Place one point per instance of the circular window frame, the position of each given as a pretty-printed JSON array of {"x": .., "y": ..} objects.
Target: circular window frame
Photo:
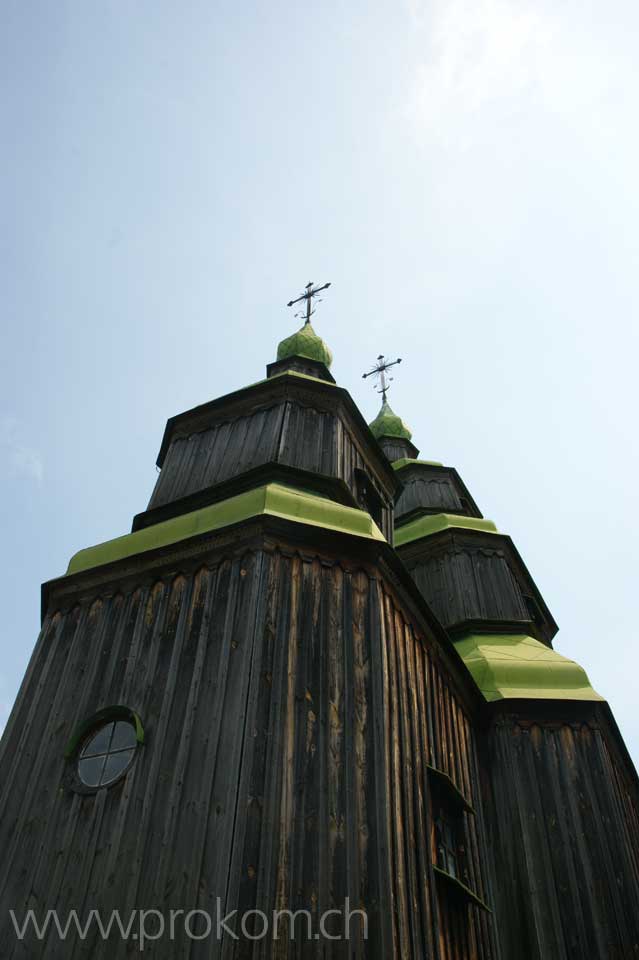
[{"x": 82, "y": 737}]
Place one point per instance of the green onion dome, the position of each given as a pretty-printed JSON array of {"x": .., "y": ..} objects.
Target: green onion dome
[
  {"x": 388, "y": 424},
  {"x": 305, "y": 343}
]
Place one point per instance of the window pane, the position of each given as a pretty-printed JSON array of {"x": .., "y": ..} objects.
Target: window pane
[
  {"x": 116, "y": 763},
  {"x": 90, "y": 771},
  {"x": 99, "y": 743},
  {"x": 123, "y": 736}
]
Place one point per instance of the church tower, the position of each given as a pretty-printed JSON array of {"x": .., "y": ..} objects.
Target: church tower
[
  {"x": 309, "y": 707},
  {"x": 559, "y": 790}
]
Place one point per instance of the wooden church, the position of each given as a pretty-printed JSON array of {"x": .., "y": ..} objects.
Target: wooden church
[{"x": 312, "y": 679}]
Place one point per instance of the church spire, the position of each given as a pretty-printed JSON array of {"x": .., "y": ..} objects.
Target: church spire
[
  {"x": 305, "y": 342},
  {"x": 389, "y": 430}
]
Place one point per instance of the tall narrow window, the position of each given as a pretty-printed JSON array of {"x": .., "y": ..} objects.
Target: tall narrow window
[
  {"x": 449, "y": 842},
  {"x": 449, "y": 812},
  {"x": 368, "y": 497}
]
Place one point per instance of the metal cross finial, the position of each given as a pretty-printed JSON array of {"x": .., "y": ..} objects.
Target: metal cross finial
[
  {"x": 309, "y": 292},
  {"x": 379, "y": 372}
]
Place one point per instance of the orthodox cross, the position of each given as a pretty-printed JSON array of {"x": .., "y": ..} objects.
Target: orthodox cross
[
  {"x": 309, "y": 292},
  {"x": 379, "y": 372}
]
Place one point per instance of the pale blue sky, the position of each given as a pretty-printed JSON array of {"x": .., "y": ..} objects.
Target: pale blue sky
[{"x": 465, "y": 173}]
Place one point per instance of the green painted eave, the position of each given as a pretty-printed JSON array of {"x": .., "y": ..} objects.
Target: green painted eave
[
  {"x": 305, "y": 343},
  {"x": 272, "y": 499},
  {"x": 388, "y": 424},
  {"x": 289, "y": 373},
  {"x": 428, "y": 525},
  {"x": 518, "y": 667},
  {"x": 410, "y": 462}
]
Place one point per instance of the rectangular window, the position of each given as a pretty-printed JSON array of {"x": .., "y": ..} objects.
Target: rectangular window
[
  {"x": 368, "y": 497},
  {"x": 449, "y": 841},
  {"x": 449, "y": 810}
]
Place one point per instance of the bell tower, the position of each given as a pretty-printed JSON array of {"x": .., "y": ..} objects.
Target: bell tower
[
  {"x": 226, "y": 715},
  {"x": 309, "y": 706},
  {"x": 560, "y": 790}
]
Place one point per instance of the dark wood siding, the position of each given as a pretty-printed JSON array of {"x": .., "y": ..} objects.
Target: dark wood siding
[
  {"x": 565, "y": 840},
  {"x": 288, "y": 432},
  {"x": 463, "y": 583},
  {"x": 429, "y": 488},
  {"x": 431, "y": 494},
  {"x": 257, "y": 781},
  {"x": 290, "y": 708},
  {"x": 214, "y": 455},
  {"x": 427, "y": 725}
]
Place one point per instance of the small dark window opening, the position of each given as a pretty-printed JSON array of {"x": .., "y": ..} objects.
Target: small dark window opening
[
  {"x": 368, "y": 497},
  {"x": 465, "y": 505},
  {"x": 450, "y": 811},
  {"x": 450, "y": 840},
  {"x": 448, "y": 807},
  {"x": 534, "y": 610}
]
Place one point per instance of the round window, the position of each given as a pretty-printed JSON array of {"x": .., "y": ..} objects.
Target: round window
[{"x": 107, "y": 753}]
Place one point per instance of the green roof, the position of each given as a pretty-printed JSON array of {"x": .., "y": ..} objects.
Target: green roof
[
  {"x": 411, "y": 462},
  {"x": 388, "y": 424},
  {"x": 273, "y": 499},
  {"x": 433, "y": 523},
  {"x": 305, "y": 343},
  {"x": 515, "y": 666}
]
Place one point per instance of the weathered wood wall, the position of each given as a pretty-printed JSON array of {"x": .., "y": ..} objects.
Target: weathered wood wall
[
  {"x": 427, "y": 725},
  {"x": 564, "y": 834},
  {"x": 219, "y": 453},
  {"x": 290, "y": 707},
  {"x": 433, "y": 489},
  {"x": 243, "y": 789},
  {"x": 286, "y": 432},
  {"x": 434, "y": 494},
  {"x": 465, "y": 580}
]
